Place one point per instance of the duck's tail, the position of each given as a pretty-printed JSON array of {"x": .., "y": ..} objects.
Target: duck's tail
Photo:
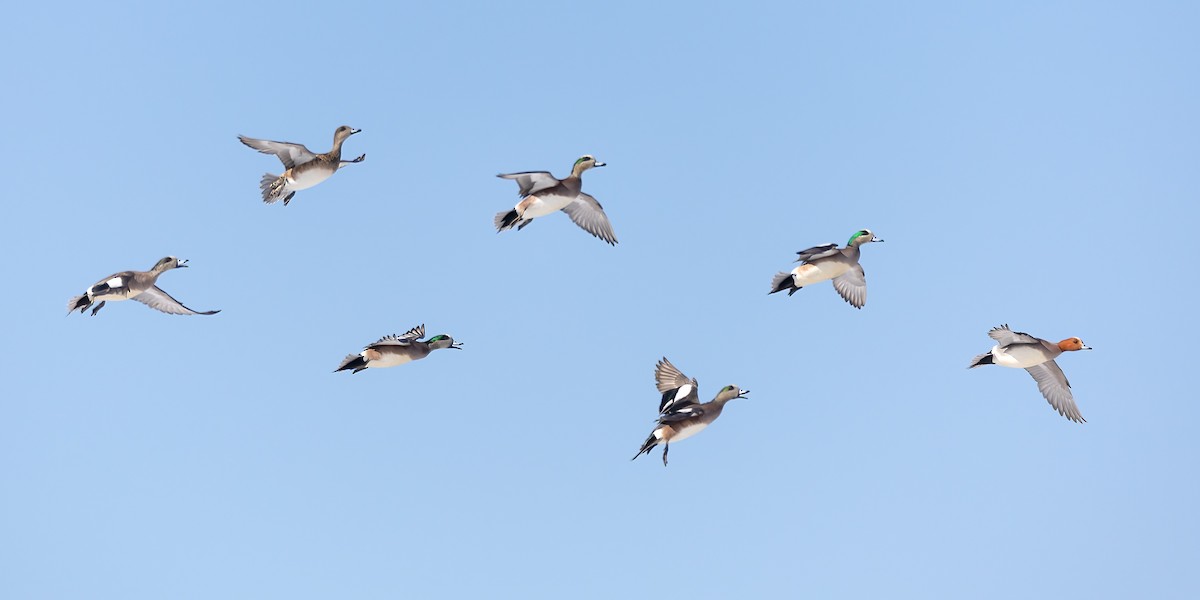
[
  {"x": 506, "y": 220},
  {"x": 78, "y": 303},
  {"x": 783, "y": 281},
  {"x": 352, "y": 361},
  {"x": 273, "y": 188},
  {"x": 647, "y": 446},
  {"x": 982, "y": 359}
]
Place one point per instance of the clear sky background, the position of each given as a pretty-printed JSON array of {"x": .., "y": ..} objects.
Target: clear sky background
[{"x": 1028, "y": 163}]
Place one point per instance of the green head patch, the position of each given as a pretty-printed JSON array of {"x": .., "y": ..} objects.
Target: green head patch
[
  {"x": 436, "y": 338},
  {"x": 857, "y": 234}
]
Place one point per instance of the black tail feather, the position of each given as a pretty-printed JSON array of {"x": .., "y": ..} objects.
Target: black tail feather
[
  {"x": 507, "y": 220},
  {"x": 783, "y": 281},
  {"x": 647, "y": 446},
  {"x": 357, "y": 363},
  {"x": 983, "y": 359}
]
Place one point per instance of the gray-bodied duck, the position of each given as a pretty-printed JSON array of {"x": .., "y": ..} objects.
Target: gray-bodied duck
[
  {"x": 827, "y": 261},
  {"x": 542, "y": 194},
  {"x": 1018, "y": 350},
  {"x": 304, "y": 167},
  {"x": 135, "y": 285},
  {"x": 393, "y": 350},
  {"x": 679, "y": 415}
]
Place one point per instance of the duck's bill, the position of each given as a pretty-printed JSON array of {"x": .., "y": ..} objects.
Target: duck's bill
[
  {"x": 600, "y": 164},
  {"x": 354, "y": 131},
  {"x": 742, "y": 393},
  {"x": 456, "y": 345}
]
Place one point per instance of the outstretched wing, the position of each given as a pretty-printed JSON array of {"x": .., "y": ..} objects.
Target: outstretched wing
[
  {"x": 669, "y": 377},
  {"x": 408, "y": 338},
  {"x": 1006, "y": 337},
  {"x": 587, "y": 213},
  {"x": 531, "y": 182},
  {"x": 159, "y": 300},
  {"x": 852, "y": 286},
  {"x": 678, "y": 389},
  {"x": 1053, "y": 384},
  {"x": 289, "y": 154},
  {"x": 816, "y": 252}
]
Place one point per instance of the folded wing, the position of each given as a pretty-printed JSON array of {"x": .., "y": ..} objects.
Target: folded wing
[
  {"x": 816, "y": 252},
  {"x": 1007, "y": 337}
]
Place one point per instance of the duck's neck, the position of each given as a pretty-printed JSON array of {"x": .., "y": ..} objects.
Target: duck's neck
[
  {"x": 577, "y": 170},
  {"x": 336, "y": 152}
]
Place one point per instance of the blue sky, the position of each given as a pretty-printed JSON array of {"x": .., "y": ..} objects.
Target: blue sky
[{"x": 1029, "y": 163}]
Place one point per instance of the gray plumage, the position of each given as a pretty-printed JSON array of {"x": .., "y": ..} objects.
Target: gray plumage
[
  {"x": 394, "y": 350},
  {"x": 1018, "y": 350},
  {"x": 304, "y": 168},
  {"x": 135, "y": 285},
  {"x": 828, "y": 262},
  {"x": 679, "y": 414},
  {"x": 542, "y": 194}
]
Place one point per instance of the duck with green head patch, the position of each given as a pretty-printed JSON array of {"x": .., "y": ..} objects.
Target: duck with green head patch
[
  {"x": 679, "y": 415},
  {"x": 827, "y": 261},
  {"x": 542, "y": 194},
  {"x": 393, "y": 350},
  {"x": 135, "y": 285}
]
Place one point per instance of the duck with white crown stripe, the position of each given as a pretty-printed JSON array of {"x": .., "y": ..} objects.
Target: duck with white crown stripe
[
  {"x": 543, "y": 194},
  {"x": 305, "y": 168},
  {"x": 679, "y": 415},
  {"x": 395, "y": 350},
  {"x": 827, "y": 261},
  {"x": 135, "y": 285}
]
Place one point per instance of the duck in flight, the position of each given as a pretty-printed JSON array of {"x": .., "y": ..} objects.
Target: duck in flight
[
  {"x": 680, "y": 416},
  {"x": 543, "y": 194},
  {"x": 304, "y": 167},
  {"x": 1018, "y": 350},
  {"x": 827, "y": 261},
  {"x": 394, "y": 350},
  {"x": 135, "y": 285}
]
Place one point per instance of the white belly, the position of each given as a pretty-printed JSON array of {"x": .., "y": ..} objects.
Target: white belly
[
  {"x": 388, "y": 360},
  {"x": 540, "y": 206},
  {"x": 1019, "y": 357},
  {"x": 307, "y": 179},
  {"x": 814, "y": 273},
  {"x": 682, "y": 434}
]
